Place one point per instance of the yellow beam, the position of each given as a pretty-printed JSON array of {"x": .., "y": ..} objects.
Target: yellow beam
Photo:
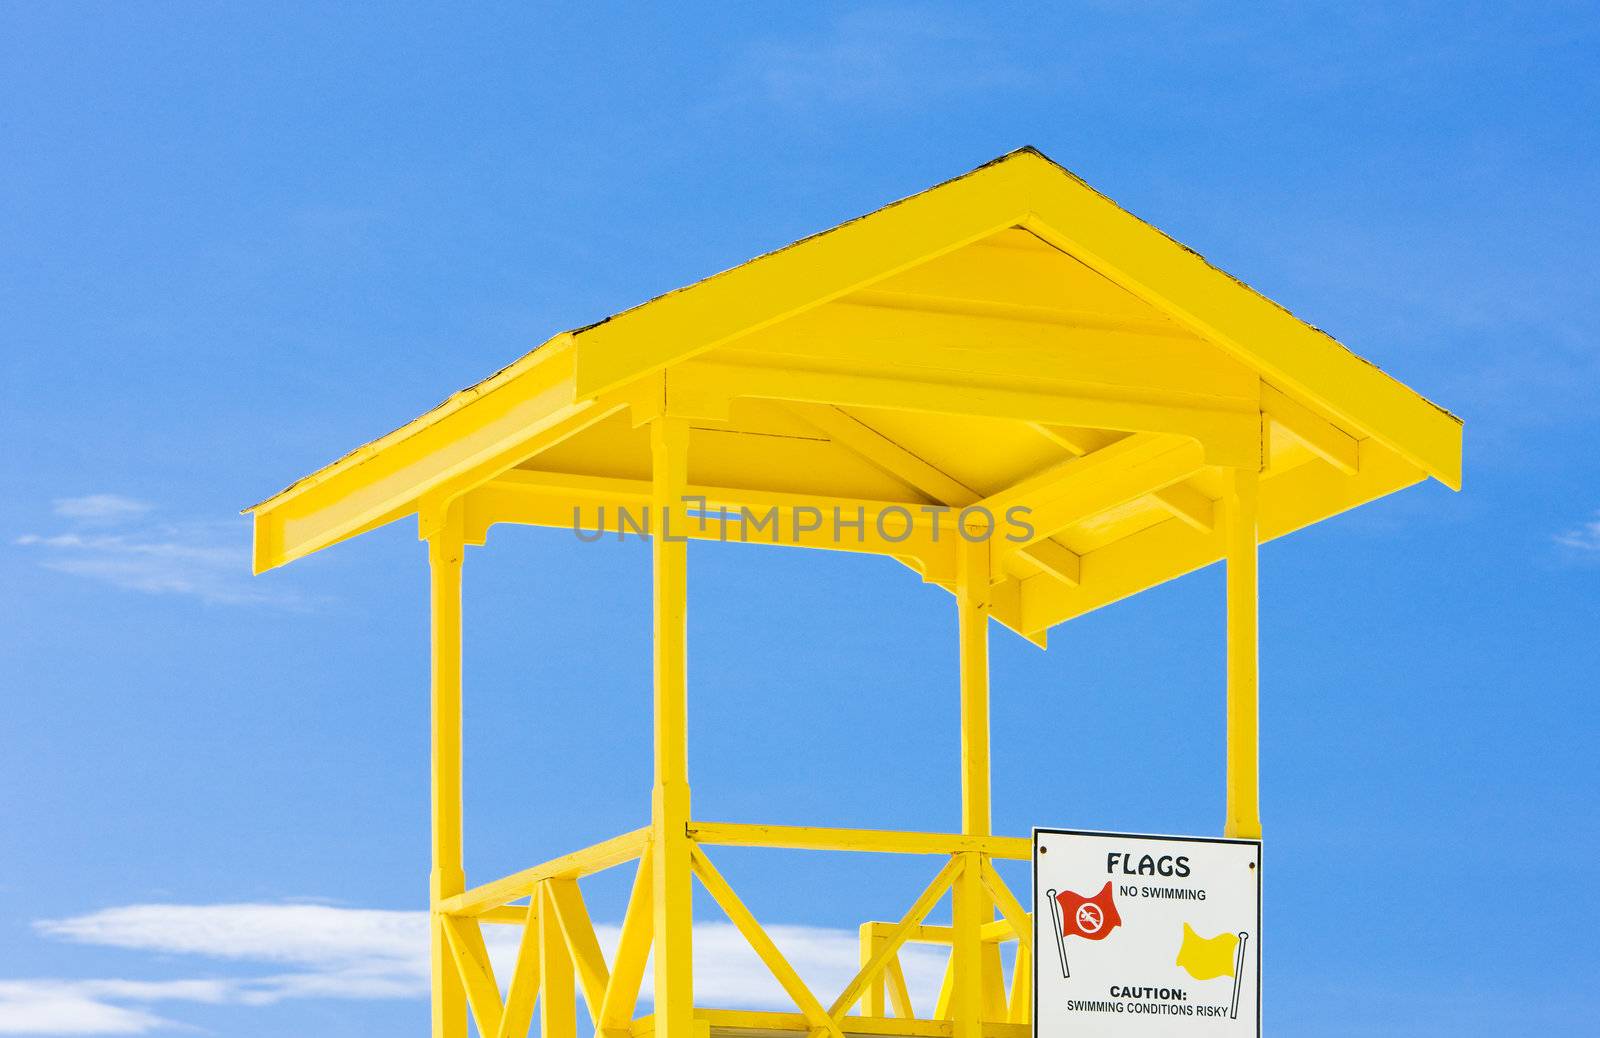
[
  {"x": 601, "y": 856},
  {"x": 1296, "y": 498},
  {"x": 1239, "y": 524},
  {"x": 477, "y": 973},
  {"x": 1080, "y": 488},
  {"x": 445, "y": 550},
  {"x": 761, "y": 943},
  {"x": 897, "y": 528},
  {"x": 1229, "y": 433},
  {"x": 887, "y": 948},
  {"x": 872, "y": 996},
  {"x": 1016, "y": 920},
  {"x": 672, "y": 883},
  {"x": 878, "y": 841},
  {"x": 558, "y": 1006},
  {"x": 1223, "y": 310},
  {"x": 513, "y": 415},
  {"x": 633, "y": 951},
  {"x": 523, "y": 991},
  {"x": 972, "y": 612},
  {"x": 1181, "y": 499},
  {"x": 1020, "y": 1009},
  {"x": 1029, "y": 350},
  {"x": 998, "y": 930},
  {"x": 1326, "y": 440},
  {"x": 899, "y": 991},
  {"x": 857, "y": 436},
  {"x": 782, "y": 283},
  {"x": 578, "y": 929},
  {"x": 968, "y": 910}
]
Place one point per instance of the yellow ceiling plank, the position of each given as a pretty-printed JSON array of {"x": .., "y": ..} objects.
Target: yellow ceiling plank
[
  {"x": 1289, "y": 501},
  {"x": 1326, "y": 440},
  {"x": 1181, "y": 499},
  {"x": 1229, "y": 436},
  {"x": 851, "y": 337},
  {"x": 851, "y": 432},
  {"x": 1077, "y": 489}
]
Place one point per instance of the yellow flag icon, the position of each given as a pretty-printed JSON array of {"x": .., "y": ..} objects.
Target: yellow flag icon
[{"x": 1207, "y": 957}]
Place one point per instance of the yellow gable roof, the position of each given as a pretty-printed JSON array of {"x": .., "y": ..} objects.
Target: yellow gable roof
[{"x": 1007, "y": 337}]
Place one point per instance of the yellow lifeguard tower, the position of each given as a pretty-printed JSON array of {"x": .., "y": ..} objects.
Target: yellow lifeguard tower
[{"x": 1008, "y": 343}]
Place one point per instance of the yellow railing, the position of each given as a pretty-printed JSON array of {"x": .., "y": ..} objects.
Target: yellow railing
[{"x": 559, "y": 954}]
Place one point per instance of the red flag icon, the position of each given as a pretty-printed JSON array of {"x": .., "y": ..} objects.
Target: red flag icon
[{"x": 1091, "y": 918}]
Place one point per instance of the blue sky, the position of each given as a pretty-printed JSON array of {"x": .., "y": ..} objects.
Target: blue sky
[{"x": 237, "y": 241}]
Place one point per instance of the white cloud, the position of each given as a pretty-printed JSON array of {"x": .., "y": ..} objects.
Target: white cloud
[
  {"x": 99, "y": 507},
  {"x": 1585, "y": 537},
  {"x": 348, "y": 953},
  {"x": 110, "y": 541},
  {"x": 64, "y": 1007}
]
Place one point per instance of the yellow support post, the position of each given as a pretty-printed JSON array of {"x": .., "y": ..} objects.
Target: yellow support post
[
  {"x": 672, "y": 877},
  {"x": 558, "y": 1004},
  {"x": 443, "y": 530},
  {"x": 873, "y": 999},
  {"x": 1239, "y": 512},
  {"x": 969, "y": 903}
]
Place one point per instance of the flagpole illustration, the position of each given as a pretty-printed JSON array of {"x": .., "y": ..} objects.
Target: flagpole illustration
[
  {"x": 1061, "y": 939},
  {"x": 1238, "y": 973}
]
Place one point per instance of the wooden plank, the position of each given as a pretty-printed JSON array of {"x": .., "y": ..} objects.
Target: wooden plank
[
  {"x": 881, "y": 841},
  {"x": 576, "y": 865}
]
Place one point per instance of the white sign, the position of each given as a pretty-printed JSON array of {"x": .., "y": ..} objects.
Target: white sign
[{"x": 1145, "y": 935}]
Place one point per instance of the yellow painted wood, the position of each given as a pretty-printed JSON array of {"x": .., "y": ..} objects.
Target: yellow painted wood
[
  {"x": 972, "y": 608},
  {"x": 445, "y": 551},
  {"x": 1225, "y": 311},
  {"x": 994, "y": 983},
  {"x": 872, "y": 999},
  {"x": 998, "y": 930},
  {"x": 818, "y": 1017},
  {"x": 390, "y": 475},
  {"x": 1067, "y": 493},
  {"x": 881, "y": 841},
  {"x": 1181, "y": 499},
  {"x": 672, "y": 896},
  {"x": 558, "y": 1006},
  {"x": 947, "y": 988},
  {"x": 969, "y": 908},
  {"x": 598, "y": 858},
  {"x": 476, "y": 972},
  {"x": 1228, "y": 433},
  {"x": 947, "y": 339},
  {"x": 1239, "y": 523},
  {"x": 1017, "y": 920},
  {"x": 1020, "y": 1006},
  {"x": 633, "y": 949},
  {"x": 888, "y": 947},
  {"x": 899, "y": 992},
  {"x": 1325, "y": 439},
  {"x": 523, "y": 991},
  {"x": 593, "y": 975},
  {"x": 779, "y": 284},
  {"x": 1009, "y": 339},
  {"x": 552, "y": 499},
  {"x": 760, "y": 1023}
]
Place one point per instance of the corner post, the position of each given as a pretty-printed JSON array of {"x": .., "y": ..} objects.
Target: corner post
[
  {"x": 671, "y": 878},
  {"x": 1239, "y": 509},
  {"x": 442, "y": 527},
  {"x": 970, "y": 904}
]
